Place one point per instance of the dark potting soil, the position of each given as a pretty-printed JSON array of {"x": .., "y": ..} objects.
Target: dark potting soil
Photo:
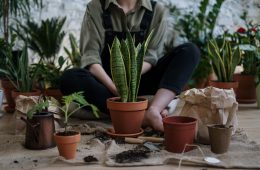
[
  {"x": 150, "y": 132},
  {"x": 68, "y": 133},
  {"x": 90, "y": 158},
  {"x": 102, "y": 136},
  {"x": 133, "y": 155}
]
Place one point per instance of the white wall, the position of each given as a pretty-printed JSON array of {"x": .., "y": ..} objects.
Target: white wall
[{"x": 229, "y": 17}]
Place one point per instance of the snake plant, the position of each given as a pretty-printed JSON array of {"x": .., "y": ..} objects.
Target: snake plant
[
  {"x": 224, "y": 59},
  {"x": 126, "y": 61}
]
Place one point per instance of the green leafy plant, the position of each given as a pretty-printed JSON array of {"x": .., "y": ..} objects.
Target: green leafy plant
[
  {"x": 44, "y": 39},
  {"x": 126, "y": 62},
  {"x": 74, "y": 55},
  {"x": 198, "y": 28},
  {"x": 19, "y": 73},
  {"x": 77, "y": 98},
  {"x": 224, "y": 58},
  {"x": 15, "y": 8}
]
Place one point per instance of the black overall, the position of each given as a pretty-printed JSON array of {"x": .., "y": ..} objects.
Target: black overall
[{"x": 172, "y": 71}]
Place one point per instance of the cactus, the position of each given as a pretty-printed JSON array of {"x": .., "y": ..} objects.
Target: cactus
[{"x": 126, "y": 61}]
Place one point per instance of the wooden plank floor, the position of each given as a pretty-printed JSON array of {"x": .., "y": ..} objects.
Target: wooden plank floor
[{"x": 249, "y": 120}]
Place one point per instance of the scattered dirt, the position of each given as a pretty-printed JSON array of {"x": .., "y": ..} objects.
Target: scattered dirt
[
  {"x": 16, "y": 162},
  {"x": 35, "y": 160},
  {"x": 134, "y": 155},
  {"x": 102, "y": 136},
  {"x": 90, "y": 158},
  {"x": 150, "y": 132}
]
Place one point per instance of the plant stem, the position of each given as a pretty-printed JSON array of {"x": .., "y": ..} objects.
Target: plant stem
[{"x": 6, "y": 18}]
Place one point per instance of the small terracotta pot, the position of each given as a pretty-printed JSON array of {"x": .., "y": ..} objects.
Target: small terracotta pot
[
  {"x": 7, "y": 88},
  {"x": 246, "y": 91},
  {"x": 219, "y": 138},
  {"x": 127, "y": 117},
  {"x": 224, "y": 85},
  {"x": 39, "y": 131},
  {"x": 179, "y": 131},
  {"x": 67, "y": 145}
]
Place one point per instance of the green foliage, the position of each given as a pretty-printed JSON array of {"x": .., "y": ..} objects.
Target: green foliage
[
  {"x": 19, "y": 73},
  {"x": 77, "y": 98},
  {"x": 199, "y": 29},
  {"x": 15, "y": 8},
  {"x": 44, "y": 39},
  {"x": 126, "y": 62},
  {"x": 74, "y": 55},
  {"x": 224, "y": 58}
]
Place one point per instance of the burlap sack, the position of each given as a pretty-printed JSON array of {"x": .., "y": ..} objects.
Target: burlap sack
[
  {"x": 22, "y": 105},
  {"x": 209, "y": 106}
]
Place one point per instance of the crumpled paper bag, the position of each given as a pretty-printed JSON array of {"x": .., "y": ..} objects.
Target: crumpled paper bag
[
  {"x": 209, "y": 106},
  {"x": 23, "y": 104}
]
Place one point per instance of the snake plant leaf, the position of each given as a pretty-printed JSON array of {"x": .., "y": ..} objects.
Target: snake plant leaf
[
  {"x": 133, "y": 70},
  {"x": 127, "y": 61},
  {"x": 118, "y": 71}
]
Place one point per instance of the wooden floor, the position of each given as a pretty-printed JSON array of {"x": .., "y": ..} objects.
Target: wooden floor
[{"x": 249, "y": 120}]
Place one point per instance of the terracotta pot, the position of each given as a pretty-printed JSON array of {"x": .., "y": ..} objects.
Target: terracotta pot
[
  {"x": 179, "y": 131},
  {"x": 67, "y": 145},
  {"x": 127, "y": 117},
  {"x": 16, "y": 93},
  {"x": 39, "y": 131},
  {"x": 55, "y": 93},
  {"x": 246, "y": 91},
  {"x": 7, "y": 88},
  {"x": 258, "y": 96},
  {"x": 224, "y": 85},
  {"x": 219, "y": 138}
]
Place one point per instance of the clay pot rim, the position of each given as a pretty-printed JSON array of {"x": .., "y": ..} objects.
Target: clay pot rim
[
  {"x": 71, "y": 136},
  {"x": 114, "y": 100},
  {"x": 219, "y": 126},
  {"x": 168, "y": 120},
  {"x": 43, "y": 114}
]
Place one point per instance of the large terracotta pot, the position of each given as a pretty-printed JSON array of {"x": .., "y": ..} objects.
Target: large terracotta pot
[
  {"x": 224, "y": 85},
  {"x": 39, "y": 131},
  {"x": 127, "y": 117},
  {"x": 7, "y": 88},
  {"x": 67, "y": 145},
  {"x": 179, "y": 131},
  {"x": 246, "y": 91}
]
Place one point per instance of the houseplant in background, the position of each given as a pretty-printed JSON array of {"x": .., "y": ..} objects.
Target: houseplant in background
[
  {"x": 67, "y": 140},
  {"x": 45, "y": 39},
  {"x": 224, "y": 60},
  {"x": 74, "y": 55},
  {"x": 248, "y": 42},
  {"x": 126, "y": 60},
  {"x": 198, "y": 28}
]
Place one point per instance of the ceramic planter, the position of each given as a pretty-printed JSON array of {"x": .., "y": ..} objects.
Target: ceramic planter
[
  {"x": 67, "y": 145},
  {"x": 55, "y": 93},
  {"x": 246, "y": 91},
  {"x": 127, "y": 117},
  {"x": 219, "y": 138},
  {"x": 258, "y": 96},
  {"x": 39, "y": 131},
  {"x": 224, "y": 85},
  {"x": 179, "y": 131}
]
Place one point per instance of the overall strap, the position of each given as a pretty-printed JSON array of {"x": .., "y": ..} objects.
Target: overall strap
[
  {"x": 107, "y": 22},
  {"x": 147, "y": 18}
]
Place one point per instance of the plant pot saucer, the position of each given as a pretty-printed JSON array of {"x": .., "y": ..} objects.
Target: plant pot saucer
[{"x": 111, "y": 132}]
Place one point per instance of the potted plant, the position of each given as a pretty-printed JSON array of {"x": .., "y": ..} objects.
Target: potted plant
[
  {"x": 247, "y": 40},
  {"x": 198, "y": 28},
  {"x": 45, "y": 39},
  {"x": 67, "y": 140},
  {"x": 39, "y": 126},
  {"x": 127, "y": 111},
  {"x": 20, "y": 74},
  {"x": 74, "y": 55},
  {"x": 224, "y": 60}
]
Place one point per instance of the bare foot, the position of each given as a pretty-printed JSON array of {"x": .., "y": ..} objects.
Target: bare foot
[{"x": 153, "y": 118}]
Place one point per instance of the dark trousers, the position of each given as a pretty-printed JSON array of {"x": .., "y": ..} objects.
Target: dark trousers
[{"x": 171, "y": 72}]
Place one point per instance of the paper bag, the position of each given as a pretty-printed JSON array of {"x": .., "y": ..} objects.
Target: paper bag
[{"x": 209, "y": 106}]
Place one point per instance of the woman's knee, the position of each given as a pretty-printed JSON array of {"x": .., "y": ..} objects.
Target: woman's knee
[{"x": 190, "y": 51}]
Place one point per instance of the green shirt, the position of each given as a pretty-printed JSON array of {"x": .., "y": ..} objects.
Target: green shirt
[{"x": 92, "y": 37}]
